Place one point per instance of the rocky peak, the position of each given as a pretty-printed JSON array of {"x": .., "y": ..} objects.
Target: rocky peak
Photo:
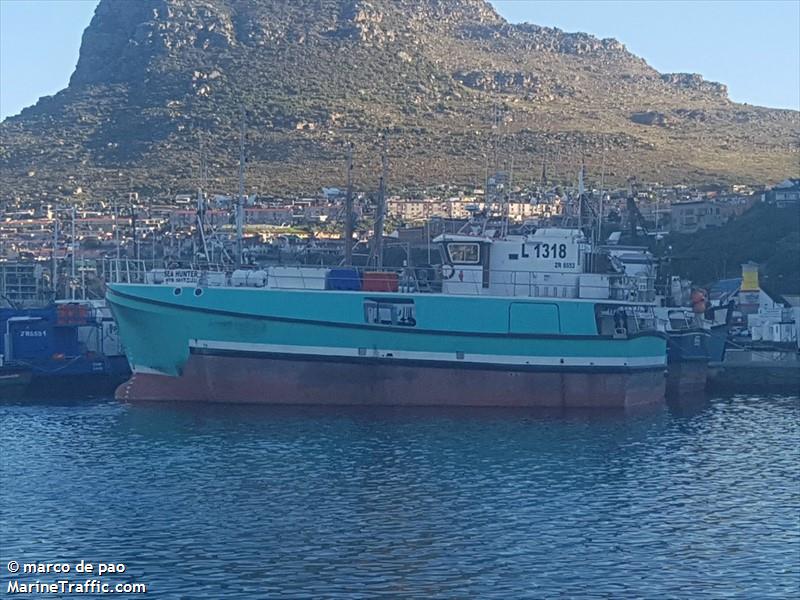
[
  {"x": 108, "y": 47},
  {"x": 553, "y": 39},
  {"x": 155, "y": 76},
  {"x": 695, "y": 82},
  {"x": 125, "y": 37}
]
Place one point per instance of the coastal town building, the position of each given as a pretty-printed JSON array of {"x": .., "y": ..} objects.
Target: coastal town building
[
  {"x": 692, "y": 216},
  {"x": 416, "y": 210},
  {"x": 714, "y": 211},
  {"x": 785, "y": 194},
  {"x": 768, "y": 316}
]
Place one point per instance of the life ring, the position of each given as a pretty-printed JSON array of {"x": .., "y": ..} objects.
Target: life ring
[{"x": 448, "y": 271}]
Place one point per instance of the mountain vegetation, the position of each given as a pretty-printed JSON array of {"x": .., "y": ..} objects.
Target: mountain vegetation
[{"x": 453, "y": 87}]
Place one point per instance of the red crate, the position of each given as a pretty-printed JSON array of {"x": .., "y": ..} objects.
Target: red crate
[{"x": 378, "y": 281}]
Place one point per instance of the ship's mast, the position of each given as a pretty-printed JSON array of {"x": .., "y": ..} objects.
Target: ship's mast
[
  {"x": 133, "y": 228},
  {"x": 55, "y": 253},
  {"x": 381, "y": 209},
  {"x": 240, "y": 203},
  {"x": 544, "y": 169},
  {"x": 201, "y": 205},
  {"x": 72, "y": 269},
  {"x": 507, "y": 195},
  {"x": 490, "y": 200},
  {"x": 554, "y": 169},
  {"x": 580, "y": 198},
  {"x": 348, "y": 210},
  {"x": 602, "y": 193},
  {"x": 656, "y": 216}
]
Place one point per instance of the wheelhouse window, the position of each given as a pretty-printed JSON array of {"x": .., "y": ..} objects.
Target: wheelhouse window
[{"x": 464, "y": 253}]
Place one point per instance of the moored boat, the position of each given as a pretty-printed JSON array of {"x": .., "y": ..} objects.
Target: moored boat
[
  {"x": 520, "y": 321},
  {"x": 14, "y": 381},
  {"x": 71, "y": 347},
  {"x": 695, "y": 339}
]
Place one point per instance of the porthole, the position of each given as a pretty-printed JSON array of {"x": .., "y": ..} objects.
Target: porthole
[
  {"x": 198, "y": 291},
  {"x": 177, "y": 291}
]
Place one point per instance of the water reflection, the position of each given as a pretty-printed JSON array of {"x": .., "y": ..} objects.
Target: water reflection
[{"x": 693, "y": 499}]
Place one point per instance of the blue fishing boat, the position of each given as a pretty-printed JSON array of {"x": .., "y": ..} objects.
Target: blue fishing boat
[
  {"x": 69, "y": 346},
  {"x": 694, "y": 340}
]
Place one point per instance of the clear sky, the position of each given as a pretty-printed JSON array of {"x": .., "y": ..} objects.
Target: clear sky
[
  {"x": 39, "y": 43},
  {"x": 751, "y": 46}
]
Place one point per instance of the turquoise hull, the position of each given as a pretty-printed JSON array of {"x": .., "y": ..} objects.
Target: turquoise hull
[{"x": 166, "y": 329}]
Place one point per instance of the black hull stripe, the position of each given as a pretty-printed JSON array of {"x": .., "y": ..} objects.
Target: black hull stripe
[
  {"x": 227, "y": 313},
  {"x": 687, "y": 359},
  {"x": 688, "y": 332},
  {"x": 409, "y": 362}
]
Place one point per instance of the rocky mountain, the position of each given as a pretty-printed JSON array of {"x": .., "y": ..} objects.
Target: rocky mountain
[{"x": 452, "y": 85}]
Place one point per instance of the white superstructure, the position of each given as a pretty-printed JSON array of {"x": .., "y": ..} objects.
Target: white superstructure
[{"x": 549, "y": 263}]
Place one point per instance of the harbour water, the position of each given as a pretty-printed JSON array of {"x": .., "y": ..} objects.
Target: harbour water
[{"x": 692, "y": 501}]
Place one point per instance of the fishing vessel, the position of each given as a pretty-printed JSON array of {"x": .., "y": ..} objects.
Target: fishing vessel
[
  {"x": 693, "y": 342},
  {"x": 529, "y": 320},
  {"x": 14, "y": 381},
  {"x": 696, "y": 331},
  {"x": 70, "y": 346},
  {"x": 56, "y": 333}
]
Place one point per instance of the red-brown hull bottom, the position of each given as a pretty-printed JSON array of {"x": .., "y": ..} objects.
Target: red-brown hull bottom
[{"x": 284, "y": 381}]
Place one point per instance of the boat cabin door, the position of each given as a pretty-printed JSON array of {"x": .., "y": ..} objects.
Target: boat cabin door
[{"x": 467, "y": 269}]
